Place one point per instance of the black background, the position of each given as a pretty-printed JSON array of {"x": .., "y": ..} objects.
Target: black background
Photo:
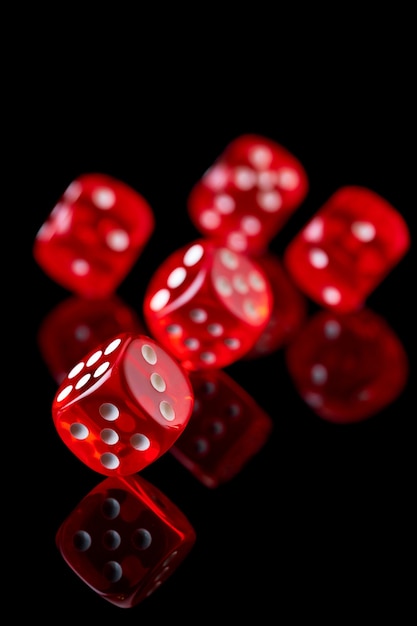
[{"x": 319, "y": 522}]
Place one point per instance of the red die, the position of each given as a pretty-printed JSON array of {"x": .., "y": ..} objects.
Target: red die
[
  {"x": 207, "y": 305},
  {"x": 123, "y": 405},
  {"x": 124, "y": 539},
  {"x": 347, "y": 367},
  {"x": 248, "y": 194},
  {"x": 76, "y": 326},
  {"x": 347, "y": 249},
  {"x": 226, "y": 430},
  {"x": 289, "y": 309},
  {"x": 94, "y": 235}
]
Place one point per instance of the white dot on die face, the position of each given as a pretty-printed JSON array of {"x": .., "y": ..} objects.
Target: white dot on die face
[
  {"x": 101, "y": 369},
  {"x": 215, "y": 329},
  {"x": 208, "y": 357},
  {"x": 83, "y": 381},
  {"x": 109, "y": 460},
  {"x": 245, "y": 178},
  {"x": 269, "y": 201},
  {"x": 167, "y": 411},
  {"x": 191, "y": 343},
  {"x": 176, "y": 277},
  {"x": 82, "y": 541},
  {"x": 240, "y": 284},
  {"x": 76, "y": 370},
  {"x": 209, "y": 219},
  {"x": 229, "y": 259},
  {"x": 159, "y": 300},
  {"x": 109, "y": 411},
  {"x": 158, "y": 382},
  {"x": 331, "y": 295},
  {"x": 224, "y": 203},
  {"x": 314, "y": 230},
  {"x": 174, "y": 329},
  {"x": 288, "y": 178},
  {"x": 332, "y": 329},
  {"x": 193, "y": 255},
  {"x": 94, "y": 358},
  {"x": 118, "y": 240},
  {"x": 112, "y": 346},
  {"x": 109, "y": 436},
  {"x": 140, "y": 442},
  {"x": 64, "y": 393},
  {"x": 237, "y": 241},
  {"x": 79, "y": 431},
  {"x": 232, "y": 343},
  {"x": 216, "y": 177},
  {"x": 198, "y": 315},
  {"x": 80, "y": 267},
  {"x": 318, "y": 258},
  {"x": 103, "y": 198},
  {"x": 318, "y": 374},
  {"x": 82, "y": 333},
  {"x": 251, "y": 225},
  {"x": 73, "y": 191},
  {"x": 260, "y": 157},
  {"x": 149, "y": 354},
  {"x": 256, "y": 281},
  {"x": 364, "y": 231}
]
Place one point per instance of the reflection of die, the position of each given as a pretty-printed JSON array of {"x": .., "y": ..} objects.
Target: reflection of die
[
  {"x": 94, "y": 235},
  {"x": 347, "y": 248},
  {"x": 248, "y": 194},
  {"x": 347, "y": 367},
  {"x": 226, "y": 430},
  {"x": 76, "y": 326},
  {"x": 123, "y": 405},
  {"x": 124, "y": 539},
  {"x": 207, "y": 305}
]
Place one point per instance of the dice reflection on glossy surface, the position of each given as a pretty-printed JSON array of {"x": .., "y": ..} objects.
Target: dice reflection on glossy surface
[
  {"x": 125, "y": 539},
  {"x": 346, "y": 250},
  {"x": 248, "y": 194},
  {"x": 227, "y": 429},
  {"x": 77, "y": 325},
  {"x": 123, "y": 405},
  {"x": 207, "y": 305},
  {"x": 347, "y": 367},
  {"x": 289, "y": 310},
  {"x": 94, "y": 235}
]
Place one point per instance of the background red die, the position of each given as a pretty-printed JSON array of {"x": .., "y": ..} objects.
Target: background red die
[
  {"x": 94, "y": 235},
  {"x": 347, "y": 367},
  {"x": 227, "y": 428},
  {"x": 207, "y": 305},
  {"x": 289, "y": 309},
  {"x": 347, "y": 248},
  {"x": 124, "y": 539},
  {"x": 123, "y": 405},
  {"x": 77, "y": 325},
  {"x": 248, "y": 194}
]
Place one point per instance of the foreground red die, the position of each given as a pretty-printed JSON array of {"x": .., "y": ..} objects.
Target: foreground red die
[
  {"x": 76, "y": 326},
  {"x": 207, "y": 305},
  {"x": 227, "y": 429},
  {"x": 94, "y": 235},
  {"x": 123, "y": 405},
  {"x": 244, "y": 199},
  {"x": 349, "y": 246},
  {"x": 347, "y": 367},
  {"x": 124, "y": 539},
  {"x": 289, "y": 309}
]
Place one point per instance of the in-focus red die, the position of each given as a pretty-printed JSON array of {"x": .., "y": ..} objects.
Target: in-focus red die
[
  {"x": 124, "y": 539},
  {"x": 76, "y": 326},
  {"x": 207, "y": 305},
  {"x": 123, "y": 405},
  {"x": 248, "y": 194},
  {"x": 347, "y": 367},
  {"x": 227, "y": 429},
  {"x": 94, "y": 235},
  {"x": 289, "y": 309},
  {"x": 349, "y": 246}
]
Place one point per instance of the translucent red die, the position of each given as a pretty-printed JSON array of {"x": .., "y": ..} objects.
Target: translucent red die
[
  {"x": 77, "y": 325},
  {"x": 94, "y": 235},
  {"x": 348, "y": 247},
  {"x": 289, "y": 309},
  {"x": 207, "y": 304},
  {"x": 125, "y": 539},
  {"x": 248, "y": 194},
  {"x": 347, "y": 367},
  {"x": 123, "y": 405},
  {"x": 226, "y": 430}
]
